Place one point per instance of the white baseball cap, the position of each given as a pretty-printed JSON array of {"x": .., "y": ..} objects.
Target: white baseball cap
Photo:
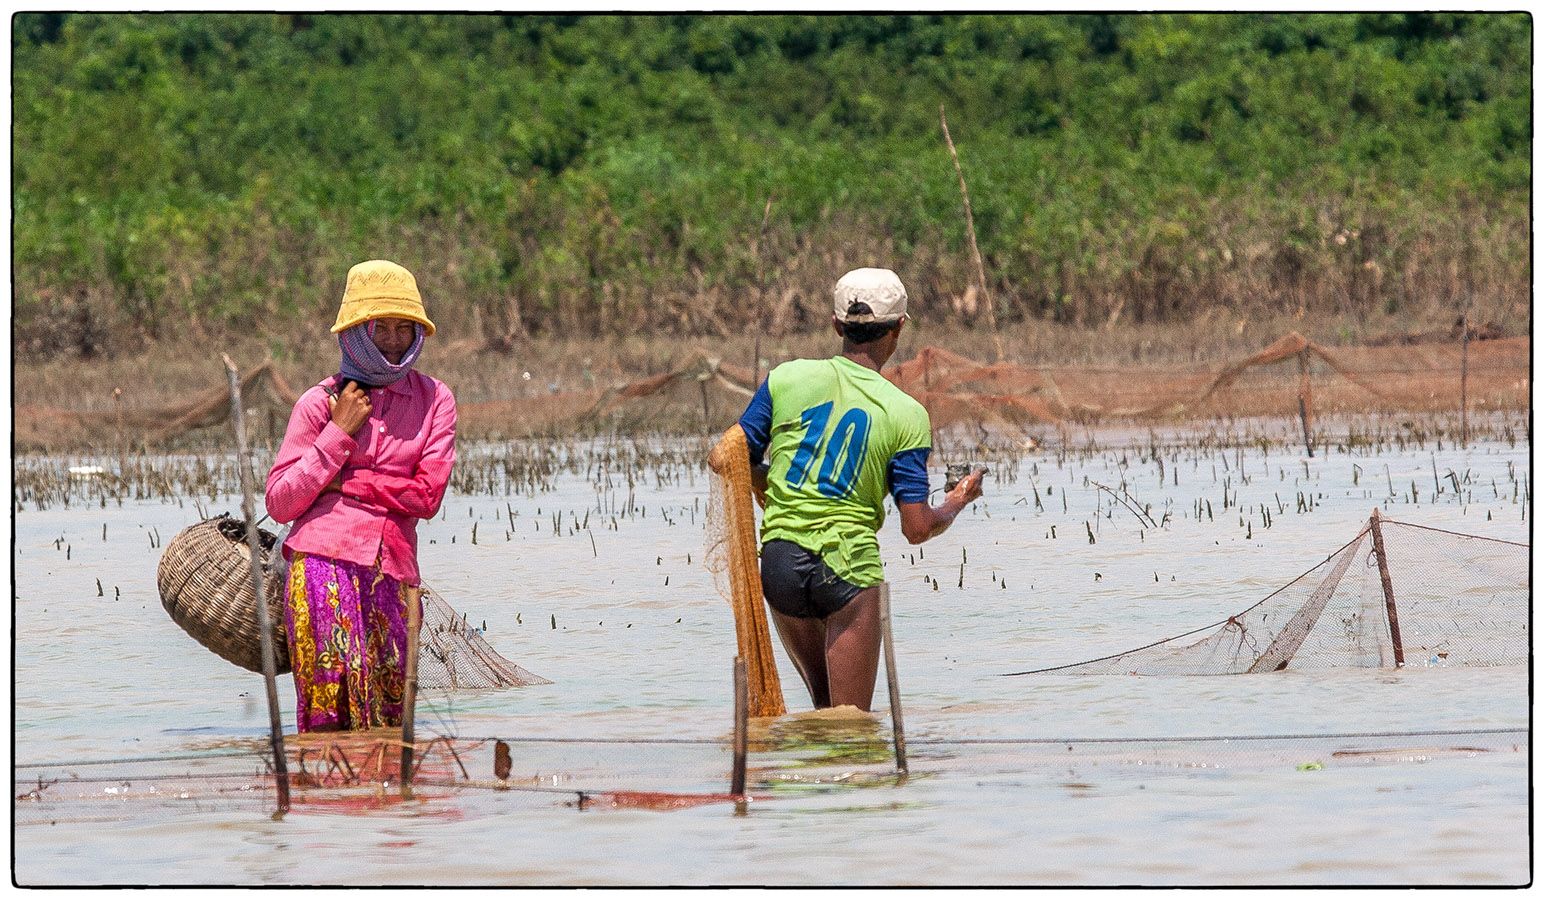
[{"x": 881, "y": 289}]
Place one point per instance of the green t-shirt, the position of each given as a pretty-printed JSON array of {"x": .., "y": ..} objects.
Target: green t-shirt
[{"x": 835, "y": 427}]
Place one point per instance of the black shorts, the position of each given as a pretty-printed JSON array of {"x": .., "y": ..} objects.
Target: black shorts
[{"x": 798, "y": 582}]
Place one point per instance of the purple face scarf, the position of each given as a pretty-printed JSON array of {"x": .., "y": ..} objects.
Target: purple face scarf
[{"x": 364, "y": 363}]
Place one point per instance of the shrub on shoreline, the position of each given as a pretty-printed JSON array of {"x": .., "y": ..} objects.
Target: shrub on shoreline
[{"x": 606, "y": 175}]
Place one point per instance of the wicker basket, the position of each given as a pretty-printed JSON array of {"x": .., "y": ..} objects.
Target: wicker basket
[
  {"x": 206, "y": 587},
  {"x": 205, "y": 579}
]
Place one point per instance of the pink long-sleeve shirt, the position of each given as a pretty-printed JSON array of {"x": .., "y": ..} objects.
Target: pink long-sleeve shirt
[{"x": 393, "y": 471}]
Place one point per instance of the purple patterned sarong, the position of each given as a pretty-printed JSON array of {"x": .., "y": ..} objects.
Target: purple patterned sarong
[{"x": 347, "y": 631}]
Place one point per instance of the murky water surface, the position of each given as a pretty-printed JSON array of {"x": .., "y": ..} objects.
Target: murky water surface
[{"x": 639, "y": 646}]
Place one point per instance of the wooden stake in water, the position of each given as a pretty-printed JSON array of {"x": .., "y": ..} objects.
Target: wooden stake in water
[
  {"x": 410, "y": 689},
  {"x": 893, "y": 684},
  {"x": 1304, "y": 399},
  {"x": 123, "y": 443},
  {"x": 1388, "y": 587},
  {"x": 264, "y": 627},
  {"x": 741, "y": 729}
]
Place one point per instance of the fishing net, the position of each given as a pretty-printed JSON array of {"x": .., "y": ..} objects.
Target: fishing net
[
  {"x": 263, "y": 389},
  {"x": 1451, "y": 599},
  {"x": 357, "y": 771},
  {"x": 1421, "y": 375},
  {"x": 204, "y": 578},
  {"x": 702, "y": 386},
  {"x": 789, "y": 761},
  {"x": 732, "y": 557},
  {"x": 453, "y": 655},
  {"x": 1460, "y": 599},
  {"x": 1404, "y": 373}
]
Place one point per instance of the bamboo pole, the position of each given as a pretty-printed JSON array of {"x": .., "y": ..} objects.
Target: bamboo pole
[
  {"x": 1304, "y": 399},
  {"x": 1463, "y": 377},
  {"x": 761, "y": 295},
  {"x": 1467, "y": 282},
  {"x": 123, "y": 443},
  {"x": 1388, "y": 587},
  {"x": 970, "y": 232},
  {"x": 410, "y": 688},
  {"x": 741, "y": 728},
  {"x": 897, "y": 725},
  {"x": 264, "y": 627},
  {"x": 756, "y": 362}
]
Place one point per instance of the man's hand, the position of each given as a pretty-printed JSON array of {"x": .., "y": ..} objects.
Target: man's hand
[
  {"x": 920, "y": 522},
  {"x": 350, "y": 408},
  {"x": 968, "y": 490}
]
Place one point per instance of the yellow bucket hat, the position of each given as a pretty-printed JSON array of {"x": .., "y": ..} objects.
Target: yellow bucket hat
[{"x": 380, "y": 288}]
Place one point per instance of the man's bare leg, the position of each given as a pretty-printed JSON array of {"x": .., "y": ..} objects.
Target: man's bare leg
[
  {"x": 805, "y": 641},
  {"x": 852, "y": 650}
]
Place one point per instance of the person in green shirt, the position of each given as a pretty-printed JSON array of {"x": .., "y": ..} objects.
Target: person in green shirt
[{"x": 837, "y": 437}]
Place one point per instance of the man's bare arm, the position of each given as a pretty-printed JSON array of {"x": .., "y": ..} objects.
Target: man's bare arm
[{"x": 921, "y": 522}]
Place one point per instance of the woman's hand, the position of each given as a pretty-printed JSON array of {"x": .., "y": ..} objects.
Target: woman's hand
[{"x": 350, "y": 408}]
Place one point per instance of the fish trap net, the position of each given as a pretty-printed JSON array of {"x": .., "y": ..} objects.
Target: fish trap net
[
  {"x": 800, "y": 762},
  {"x": 1397, "y": 594},
  {"x": 353, "y": 772},
  {"x": 452, "y": 655},
  {"x": 1291, "y": 376},
  {"x": 205, "y": 581}
]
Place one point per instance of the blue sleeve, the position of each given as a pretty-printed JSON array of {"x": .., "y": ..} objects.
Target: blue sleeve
[
  {"x": 908, "y": 475},
  {"x": 757, "y": 423}
]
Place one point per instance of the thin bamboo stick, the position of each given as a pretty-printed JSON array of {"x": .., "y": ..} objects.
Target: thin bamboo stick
[
  {"x": 761, "y": 295},
  {"x": 1304, "y": 399},
  {"x": 264, "y": 629},
  {"x": 897, "y": 725},
  {"x": 741, "y": 728},
  {"x": 123, "y": 443},
  {"x": 410, "y": 689},
  {"x": 1463, "y": 377},
  {"x": 970, "y": 232}
]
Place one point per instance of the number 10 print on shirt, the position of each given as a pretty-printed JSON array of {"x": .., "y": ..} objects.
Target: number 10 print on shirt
[{"x": 841, "y": 456}]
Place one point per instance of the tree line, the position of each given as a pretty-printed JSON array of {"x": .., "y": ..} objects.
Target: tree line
[{"x": 606, "y": 174}]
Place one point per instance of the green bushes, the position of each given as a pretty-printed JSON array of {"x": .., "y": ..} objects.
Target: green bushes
[{"x": 608, "y": 173}]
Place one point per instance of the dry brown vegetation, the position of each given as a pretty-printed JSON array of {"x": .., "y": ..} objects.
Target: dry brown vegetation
[{"x": 1356, "y": 281}]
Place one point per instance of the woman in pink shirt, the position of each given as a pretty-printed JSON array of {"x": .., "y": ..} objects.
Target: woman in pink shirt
[{"x": 367, "y": 453}]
